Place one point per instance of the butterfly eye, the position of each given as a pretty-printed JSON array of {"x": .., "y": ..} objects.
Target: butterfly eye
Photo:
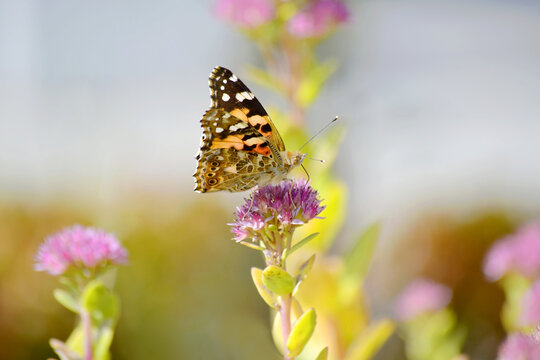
[
  {"x": 214, "y": 163},
  {"x": 212, "y": 181}
]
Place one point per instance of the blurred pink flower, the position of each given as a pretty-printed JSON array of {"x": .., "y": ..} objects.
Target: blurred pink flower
[
  {"x": 518, "y": 253},
  {"x": 245, "y": 13},
  {"x": 318, "y": 18},
  {"x": 530, "y": 313},
  {"x": 78, "y": 247},
  {"x": 518, "y": 346},
  {"x": 421, "y": 296}
]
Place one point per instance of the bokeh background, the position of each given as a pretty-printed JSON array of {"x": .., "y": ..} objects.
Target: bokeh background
[{"x": 99, "y": 122}]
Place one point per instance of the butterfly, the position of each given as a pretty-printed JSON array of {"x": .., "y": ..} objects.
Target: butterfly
[{"x": 240, "y": 146}]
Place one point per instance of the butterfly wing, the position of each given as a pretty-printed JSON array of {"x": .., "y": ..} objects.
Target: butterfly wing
[
  {"x": 232, "y": 95},
  {"x": 234, "y": 156}
]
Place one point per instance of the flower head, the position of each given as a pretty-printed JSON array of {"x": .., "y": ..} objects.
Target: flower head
[
  {"x": 518, "y": 346},
  {"x": 247, "y": 14},
  {"x": 518, "y": 253},
  {"x": 318, "y": 18},
  {"x": 78, "y": 247},
  {"x": 288, "y": 204},
  {"x": 530, "y": 310},
  {"x": 421, "y": 296}
]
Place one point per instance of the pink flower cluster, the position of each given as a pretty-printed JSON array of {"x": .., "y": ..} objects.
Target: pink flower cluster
[
  {"x": 314, "y": 20},
  {"x": 519, "y": 253},
  {"x": 78, "y": 247},
  {"x": 422, "y": 296},
  {"x": 518, "y": 346},
  {"x": 318, "y": 18},
  {"x": 247, "y": 14},
  {"x": 530, "y": 309},
  {"x": 288, "y": 204}
]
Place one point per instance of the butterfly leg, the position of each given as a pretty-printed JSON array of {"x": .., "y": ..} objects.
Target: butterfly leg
[
  {"x": 252, "y": 199},
  {"x": 290, "y": 193}
]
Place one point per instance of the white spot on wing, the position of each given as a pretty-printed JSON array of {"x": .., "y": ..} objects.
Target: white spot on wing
[
  {"x": 218, "y": 130},
  {"x": 244, "y": 95},
  {"x": 241, "y": 125},
  {"x": 233, "y": 78},
  {"x": 224, "y": 81},
  {"x": 225, "y": 97},
  {"x": 222, "y": 87}
]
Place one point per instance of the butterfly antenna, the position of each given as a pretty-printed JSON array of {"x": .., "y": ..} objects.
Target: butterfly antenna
[
  {"x": 318, "y": 160},
  {"x": 308, "y": 177},
  {"x": 318, "y": 132}
]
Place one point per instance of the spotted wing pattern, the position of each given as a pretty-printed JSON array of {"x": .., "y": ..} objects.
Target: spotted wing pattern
[
  {"x": 240, "y": 146},
  {"x": 229, "y": 93},
  {"x": 234, "y": 156}
]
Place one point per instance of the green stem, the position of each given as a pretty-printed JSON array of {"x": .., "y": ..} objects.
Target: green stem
[{"x": 285, "y": 314}]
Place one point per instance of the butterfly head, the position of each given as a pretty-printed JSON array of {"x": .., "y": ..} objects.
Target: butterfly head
[{"x": 293, "y": 158}]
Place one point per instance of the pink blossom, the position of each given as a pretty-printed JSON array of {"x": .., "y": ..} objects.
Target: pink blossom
[
  {"x": 518, "y": 346},
  {"x": 530, "y": 313},
  {"x": 518, "y": 253},
  {"x": 248, "y": 14},
  {"x": 318, "y": 18},
  {"x": 422, "y": 296},
  {"x": 78, "y": 247},
  {"x": 289, "y": 204}
]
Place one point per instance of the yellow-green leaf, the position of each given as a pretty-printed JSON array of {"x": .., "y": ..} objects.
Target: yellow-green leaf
[
  {"x": 266, "y": 295},
  {"x": 99, "y": 301},
  {"x": 103, "y": 343},
  {"x": 370, "y": 341},
  {"x": 63, "y": 351},
  {"x": 301, "y": 333},
  {"x": 66, "y": 299},
  {"x": 278, "y": 280},
  {"x": 359, "y": 258},
  {"x": 303, "y": 271},
  {"x": 323, "y": 355}
]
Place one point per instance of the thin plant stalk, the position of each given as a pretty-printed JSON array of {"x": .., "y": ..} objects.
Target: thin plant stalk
[
  {"x": 87, "y": 334},
  {"x": 285, "y": 315}
]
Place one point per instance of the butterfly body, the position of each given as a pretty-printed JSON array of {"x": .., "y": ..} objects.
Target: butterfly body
[{"x": 240, "y": 146}]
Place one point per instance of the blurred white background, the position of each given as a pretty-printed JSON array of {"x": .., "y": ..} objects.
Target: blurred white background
[{"x": 441, "y": 100}]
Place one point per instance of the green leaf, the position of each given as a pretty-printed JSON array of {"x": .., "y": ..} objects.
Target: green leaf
[
  {"x": 359, "y": 258},
  {"x": 252, "y": 245},
  {"x": 301, "y": 243},
  {"x": 434, "y": 336},
  {"x": 313, "y": 81},
  {"x": 100, "y": 301},
  {"x": 264, "y": 78},
  {"x": 278, "y": 280},
  {"x": 76, "y": 339},
  {"x": 301, "y": 333},
  {"x": 103, "y": 343},
  {"x": 303, "y": 271},
  {"x": 66, "y": 299},
  {"x": 63, "y": 351},
  {"x": 514, "y": 287},
  {"x": 267, "y": 295},
  {"x": 370, "y": 341},
  {"x": 335, "y": 199},
  {"x": 323, "y": 355}
]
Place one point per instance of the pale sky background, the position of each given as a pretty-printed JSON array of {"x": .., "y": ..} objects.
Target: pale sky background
[{"x": 441, "y": 100}]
